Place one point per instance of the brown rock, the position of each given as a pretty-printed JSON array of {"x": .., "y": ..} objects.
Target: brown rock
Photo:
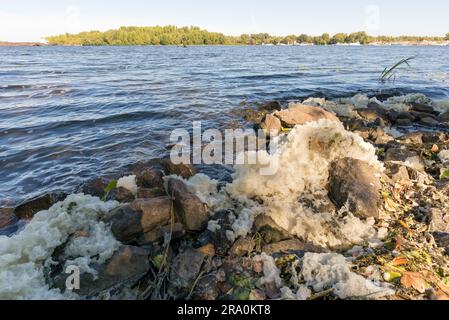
[
  {"x": 139, "y": 217},
  {"x": 301, "y": 114},
  {"x": 412, "y": 138},
  {"x": 159, "y": 233},
  {"x": 357, "y": 183},
  {"x": 126, "y": 266},
  {"x": 269, "y": 230},
  {"x": 182, "y": 170},
  {"x": 242, "y": 247},
  {"x": 29, "y": 208},
  {"x": 398, "y": 173},
  {"x": 207, "y": 288},
  {"x": 404, "y": 122},
  {"x": 289, "y": 246},
  {"x": 150, "y": 178},
  {"x": 207, "y": 250},
  {"x": 94, "y": 187},
  {"x": 7, "y": 217},
  {"x": 370, "y": 114},
  {"x": 121, "y": 195},
  {"x": 145, "y": 193},
  {"x": 272, "y": 125},
  {"x": 189, "y": 208}
]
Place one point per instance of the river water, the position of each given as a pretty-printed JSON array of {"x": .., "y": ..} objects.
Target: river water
[{"x": 71, "y": 113}]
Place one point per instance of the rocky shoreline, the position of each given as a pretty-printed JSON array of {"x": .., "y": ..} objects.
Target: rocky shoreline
[{"x": 364, "y": 217}]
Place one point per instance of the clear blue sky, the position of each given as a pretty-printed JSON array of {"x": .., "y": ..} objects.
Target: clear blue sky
[{"x": 29, "y": 20}]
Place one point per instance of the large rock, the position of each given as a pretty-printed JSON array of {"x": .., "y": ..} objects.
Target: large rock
[
  {"x": 120, "y": 194},
  {"x": 185, "y": 270},
  {"x": 357, "y": 184},
  {"x": 29, "y": 208},
  {"x": 182, "y": 170},
  {"x": 141, "y": 216},
  {"x": 191, "y": 211},
  {"x": 127, "y": 266},
  {"x": 300, "y": 114},
  {"x": 94, "y": 187},
  {"x": 158, "y": 234},
  {"x": 150, "y": 178}
]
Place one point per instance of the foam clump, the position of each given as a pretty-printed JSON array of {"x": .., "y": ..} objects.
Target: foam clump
[
  {"x": 129, "y": 183},
  {"x": 331, "y": 271},
  {"x": 271, "y": 273},
  {"x": 25, "y": 257},
  {"x": 302, "y": 161}
]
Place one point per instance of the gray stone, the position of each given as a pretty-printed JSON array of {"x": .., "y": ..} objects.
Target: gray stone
[
  {"x": 428, "y": 121},
  {"x": 439, "y": 220},
  {"x": 186, "y": 268}
]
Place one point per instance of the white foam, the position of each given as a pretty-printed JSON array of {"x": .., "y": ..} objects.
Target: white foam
[
  {"x": 331, "y": 271},
  {"x": 129, "y": 183},
  {"x": 24, "y": 256}
]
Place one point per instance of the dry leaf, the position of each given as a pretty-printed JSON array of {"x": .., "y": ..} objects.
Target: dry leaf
[
  {"x": 399, "y": 261},
  {"x": 414, "y": 280},
  {"x": 435, "y": 148},
  {"x": 390, "y": 205},
  {"x": 208, "y": 250},
  {"x": 405, "y": 226}
]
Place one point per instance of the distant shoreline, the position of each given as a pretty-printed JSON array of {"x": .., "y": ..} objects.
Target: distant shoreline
[
  {"x": 22, "y": 44},
  {"x": 411, "y": 44}
]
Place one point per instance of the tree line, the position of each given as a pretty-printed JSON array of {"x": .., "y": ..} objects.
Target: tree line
[{"x": 172, "y": 35}]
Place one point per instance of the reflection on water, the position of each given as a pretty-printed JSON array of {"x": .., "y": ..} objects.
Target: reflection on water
[{"x": 70, "y": 113}]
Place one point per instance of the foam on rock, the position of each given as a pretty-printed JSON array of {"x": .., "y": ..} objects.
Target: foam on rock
[
  {"x": 25, "y": 257},
  {"x": 302, "y": 160}
]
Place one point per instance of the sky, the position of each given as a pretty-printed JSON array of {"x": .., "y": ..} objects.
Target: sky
[{"x": 31, "y": 20}]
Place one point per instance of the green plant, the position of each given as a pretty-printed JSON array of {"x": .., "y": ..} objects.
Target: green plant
[{"x": 389, "y": 73}]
